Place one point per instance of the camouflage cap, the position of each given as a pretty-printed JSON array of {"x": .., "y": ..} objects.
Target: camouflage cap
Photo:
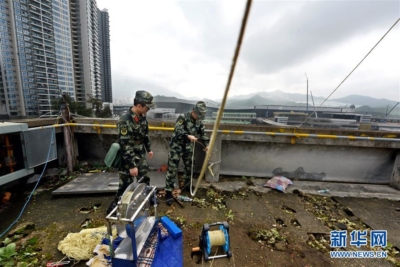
[
  {"x": 200, "y": 109},
  {"x": 145, "y": 98}
]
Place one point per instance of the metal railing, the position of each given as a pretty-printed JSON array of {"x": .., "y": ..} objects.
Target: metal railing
[{"x": 299, "y": 135}]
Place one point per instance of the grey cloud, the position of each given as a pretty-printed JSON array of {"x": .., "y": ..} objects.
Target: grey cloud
[
  {"x": 314, "y": 27},
  {"x": 215, "y": 39}
]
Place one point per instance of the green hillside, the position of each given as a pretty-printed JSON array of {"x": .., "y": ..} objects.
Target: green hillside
[
  {"x": 381, "y": 112},
  {"x": 256, "y": 100}
]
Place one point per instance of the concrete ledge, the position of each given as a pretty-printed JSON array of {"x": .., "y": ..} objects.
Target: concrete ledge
[{"x": 308, "y": 187}]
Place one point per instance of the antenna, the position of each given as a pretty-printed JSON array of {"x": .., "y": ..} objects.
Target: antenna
[{"x": 307, "y": 91}]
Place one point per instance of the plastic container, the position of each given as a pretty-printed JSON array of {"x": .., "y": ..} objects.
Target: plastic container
[
  {"x": 323, "y": 191},
  {"x": 184, "y": 198}
]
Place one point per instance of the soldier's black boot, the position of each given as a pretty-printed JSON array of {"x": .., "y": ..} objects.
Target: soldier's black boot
[{"x": 168, "y": 197}]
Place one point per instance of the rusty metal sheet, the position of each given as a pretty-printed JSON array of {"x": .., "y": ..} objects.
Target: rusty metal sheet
[{"x": 102, "y": 182}]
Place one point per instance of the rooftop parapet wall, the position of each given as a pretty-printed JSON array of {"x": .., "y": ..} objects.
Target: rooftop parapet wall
[
  {"x": 265, "y": 151},
  {"x": 273, "y": 134}
]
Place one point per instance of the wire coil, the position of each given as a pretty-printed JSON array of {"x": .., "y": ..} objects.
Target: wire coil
[{"x": 217, "y": 238}]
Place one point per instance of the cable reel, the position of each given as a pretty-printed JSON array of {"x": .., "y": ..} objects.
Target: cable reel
[{"x": 217, "y": 238}]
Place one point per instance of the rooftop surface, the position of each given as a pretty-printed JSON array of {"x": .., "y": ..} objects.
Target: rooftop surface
[{"x": 301, "y": 218}]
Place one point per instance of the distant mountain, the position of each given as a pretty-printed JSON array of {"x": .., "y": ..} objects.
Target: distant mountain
[
  {"x": 360, "y": 100},
  {"x": 381, "y": 112},
  {"x": 210, "y": 101},
  {"x": 193, "y": 98},
  {"x": 128, "y": 100},
  {"x": 255, "y": 100},
  {"x": 259, "y": 100},
  {"x": 278, "y": 96},
  {"x": 162, "y": 97},
  {"x": 281, "y": 98}
]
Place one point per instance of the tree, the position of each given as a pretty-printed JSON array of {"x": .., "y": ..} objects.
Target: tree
[
  {"x": 96, "y": 105},
  {"x": 80, "y": 107},
  {"x": 74, "y": 107},
  {"x": 105, "y": 112}
]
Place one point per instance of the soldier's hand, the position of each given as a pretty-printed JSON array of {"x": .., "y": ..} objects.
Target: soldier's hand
[
  {"x": 150, "y": 154},
  {"x": 206, "y": 149},
  {"x": 192, "y": 138},
  {"x": 134, "y": 172}
]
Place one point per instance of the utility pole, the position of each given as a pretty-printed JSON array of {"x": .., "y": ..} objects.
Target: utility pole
[{"x": 307, "y": 91}]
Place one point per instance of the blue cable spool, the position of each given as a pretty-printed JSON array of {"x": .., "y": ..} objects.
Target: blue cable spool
[{"x": 220, "y": 238}]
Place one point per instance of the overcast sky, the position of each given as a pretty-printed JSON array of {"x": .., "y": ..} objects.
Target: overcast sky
[{"x": 187, "y": 47}]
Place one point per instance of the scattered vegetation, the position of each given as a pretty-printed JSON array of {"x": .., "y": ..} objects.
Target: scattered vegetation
[
  {"x": 21, "y": 248},
  {"x": 271, "y": 238},
  {"x": 7, "y": 253},
  {"x": 181, "y": 221},
  {"x": 229, "y": 216},
  {"x": 337, "y": 217}
]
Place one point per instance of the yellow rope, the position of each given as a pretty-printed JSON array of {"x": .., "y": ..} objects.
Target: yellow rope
[
  {"x": 80, "y": 246},
  {"x": 221, "y": 109}
]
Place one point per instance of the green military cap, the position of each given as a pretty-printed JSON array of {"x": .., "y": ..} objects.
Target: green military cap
[
  {"x": 200, "y": 109},
  {"x": 145, "y": 98}
]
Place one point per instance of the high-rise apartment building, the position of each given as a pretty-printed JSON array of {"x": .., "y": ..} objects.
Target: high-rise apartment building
[
  {"x": 63, "y": 41},
  {"x": 48, "y": 47},
  {"x": 105, "y": 63}
]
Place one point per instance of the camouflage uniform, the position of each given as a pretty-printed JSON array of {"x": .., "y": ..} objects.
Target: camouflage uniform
[
  {"x": 181, "y": 146},
  {"x": 134, "y": 140}
]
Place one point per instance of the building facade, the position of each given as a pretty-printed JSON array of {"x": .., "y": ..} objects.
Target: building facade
[
  {"x": 105, "y": 62},
  {"x": 48, "y": 48},
  {"x": 90, "y": 47}
]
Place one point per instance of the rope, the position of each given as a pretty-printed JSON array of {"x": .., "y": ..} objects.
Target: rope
[
  {"x": 191, "y": 170},
  {"x": 219, "y": 115},
  {"x": 352, "y": 71},
  {"x": 191, "y": 174},
  {"x": 80, "y": 246},
  {"x": 212, "y": 262}
]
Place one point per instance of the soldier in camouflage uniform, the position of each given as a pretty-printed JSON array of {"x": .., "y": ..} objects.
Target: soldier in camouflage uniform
[
  {"x": 134, "y": 141},
  {"x": 188, "y": 128}
]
